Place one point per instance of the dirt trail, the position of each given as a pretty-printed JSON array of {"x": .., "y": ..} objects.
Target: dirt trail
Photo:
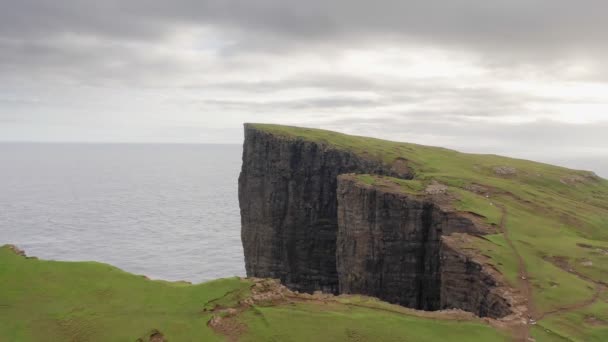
[
  {"x": 524, "y": 284},
  {"x": 576, "y": 306},
  {"x": 600, "y": 287}
]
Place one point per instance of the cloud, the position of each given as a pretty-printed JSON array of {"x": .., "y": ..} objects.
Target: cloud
[{"x": 507, "y": 76}]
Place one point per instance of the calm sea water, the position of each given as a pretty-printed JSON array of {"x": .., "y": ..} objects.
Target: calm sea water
[{"x": 166, "y": 211}]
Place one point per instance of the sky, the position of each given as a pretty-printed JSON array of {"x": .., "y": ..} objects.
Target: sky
[{"x": 525, "y": 78}]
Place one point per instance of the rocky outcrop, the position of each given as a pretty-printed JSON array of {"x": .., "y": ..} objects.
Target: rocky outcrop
[
  {"x": 309, "y": 222},
  {"x": 468, "y": 285},
  {"x": 287, "y": 196},
  {"x": 389, "y": 245}
]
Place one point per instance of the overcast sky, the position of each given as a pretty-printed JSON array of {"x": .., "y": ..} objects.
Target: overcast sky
[{"x": 526, "y": 78}]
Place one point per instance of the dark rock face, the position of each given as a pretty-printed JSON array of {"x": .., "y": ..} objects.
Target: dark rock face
[
  {"x": 465, "y": 285},
  {"x": 313, "y": 229},
  {"x": 389, "y": 244},
  {"x": 287, "y": 196}
]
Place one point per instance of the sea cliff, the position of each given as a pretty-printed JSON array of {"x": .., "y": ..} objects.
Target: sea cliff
[{"x": 309, "y": 220}]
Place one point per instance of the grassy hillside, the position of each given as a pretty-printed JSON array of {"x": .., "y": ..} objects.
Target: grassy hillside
[
  {"x": 87, "y": 301},
  {"x": 553, "y": 241}
]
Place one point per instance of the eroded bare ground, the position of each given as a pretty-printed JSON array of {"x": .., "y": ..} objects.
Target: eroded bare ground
[
  {"x": 153, "y": 336},
  {"x": 524, "y": 284},
  {"x": 270, "y": 292}
]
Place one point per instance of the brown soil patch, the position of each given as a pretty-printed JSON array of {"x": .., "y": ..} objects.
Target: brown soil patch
[
  {"x": 595, "y": 321},
  {"x": 227, "y": 326},
  {"x": 401, "y": 168},
  {"x": 436, "y": 188},
  {"x": 157, "y": 337},
  {"x": 263, "y": 292},
  {"x": 16, "y": 250},
  {"x": 154, "y": 336},
  {"x": 575, "y": 179},
  {"x": 561, "y": 262},
  {"x": 478, "y": 189},
  {"x": 505, "y": 170}
]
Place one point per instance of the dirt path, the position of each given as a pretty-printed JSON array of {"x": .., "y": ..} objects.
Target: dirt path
[
  {"x": 576, "y": 306},
  {"x": 524, "y": 284},
  {"x": 600, "y": 287}
]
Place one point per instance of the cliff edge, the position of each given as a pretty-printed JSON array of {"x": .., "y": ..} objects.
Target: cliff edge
[{"x": 423, "y": 227}]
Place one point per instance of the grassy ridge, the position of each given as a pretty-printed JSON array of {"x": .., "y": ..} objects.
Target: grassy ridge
[
  {"x": 339, "y": 322},
  {"x": 88, "y": 301}
]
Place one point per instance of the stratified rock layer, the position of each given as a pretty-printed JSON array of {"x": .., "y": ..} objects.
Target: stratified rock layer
[
  {"x": 314, "y": 230},
  {"x": 287, "y": 196},
  {"x": 466, "y": 285},
  {"x": 389, "y": 243}
]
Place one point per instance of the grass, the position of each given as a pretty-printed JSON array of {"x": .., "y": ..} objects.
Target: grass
[
  {"x": 588, "y": 324},
  {"x": 88, "y": 301},
  {"x": 413, "y": 187},
  {"x": 340, "y": 322}
]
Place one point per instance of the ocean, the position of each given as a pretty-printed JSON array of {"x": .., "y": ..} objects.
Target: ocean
[{"x": 167, "y": 211}]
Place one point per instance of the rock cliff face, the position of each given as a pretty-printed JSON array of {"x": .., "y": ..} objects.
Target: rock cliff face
[
  {"x": 287, "y": 196},
  {"x": 389, "y": 243},
  {"x": 466, "y": 285},
  {"x": 308, "y": 223}
]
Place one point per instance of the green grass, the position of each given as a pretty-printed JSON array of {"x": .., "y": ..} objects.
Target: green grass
[
  {"x": 87, "y": 301},
  {"x": 413, "y": 187},
  {"x": 589, "y": 324},
  {"x": 472, "y": 202},
  {"x": 339, "y": 322}
]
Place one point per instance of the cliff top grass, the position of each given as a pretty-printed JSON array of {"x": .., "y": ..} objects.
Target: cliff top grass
[
  {"x": 88, "y": 301},
  {"x": 554, "y": 219},
  {"x": 412, "y": 187}
]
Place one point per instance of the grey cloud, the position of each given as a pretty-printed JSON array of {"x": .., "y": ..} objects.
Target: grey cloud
[
  {"x": 111, "y": 44},
  {"x": 318, "y": 103},
  {"x": 538, "y": 27},
  {"x": 512, "y": 22},
  {"x": 539, "y": 138},
  {"x": 541, "y": 33},
  {"x": 324, "y": 81}
]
